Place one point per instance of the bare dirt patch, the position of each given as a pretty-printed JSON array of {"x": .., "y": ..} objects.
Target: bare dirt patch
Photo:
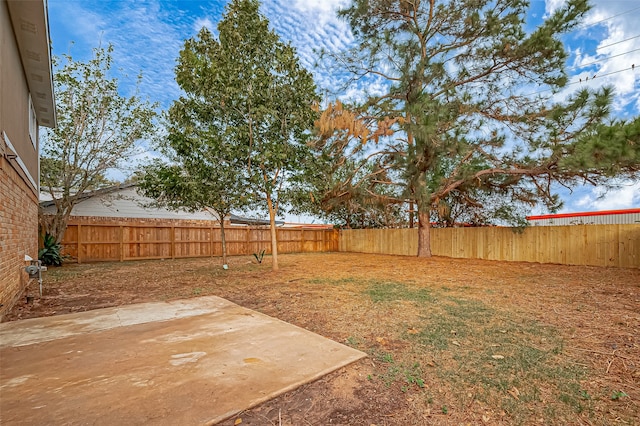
[{"x": 451, "y": 341}]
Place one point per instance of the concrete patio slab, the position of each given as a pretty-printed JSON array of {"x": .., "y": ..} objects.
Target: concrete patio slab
[{"x": 187, "y": 362}]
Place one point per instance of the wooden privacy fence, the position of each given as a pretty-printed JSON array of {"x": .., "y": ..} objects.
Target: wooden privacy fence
[
  {"x": 595, "y": 245},
  {"x": 129, "y": 241}
]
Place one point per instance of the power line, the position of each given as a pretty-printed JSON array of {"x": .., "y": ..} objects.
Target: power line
[
  {"x": 581, "y": 27},
  {"x": 579, "y": 81},
  {"x": 602, "y": 60},
  {"x": 617, "y": 42},
  {"x": 632, "y": 67}
]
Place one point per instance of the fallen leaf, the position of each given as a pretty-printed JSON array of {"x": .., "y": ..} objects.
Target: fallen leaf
[
  {"x": 514, "y": 392},
  {"x": 455, "y": 342},
  {"x": 381, "y": 340},
  {"x": 238, "y": 421},
  {"x": 412, "y": 331},
  {"x": 485, "y": 419},
  {"x": 497, "y": 356}
]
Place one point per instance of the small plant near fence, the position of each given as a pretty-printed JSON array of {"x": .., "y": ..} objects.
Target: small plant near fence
[
  {"x": 259, "y": 256},
  {"x": 51, "y": 252}
]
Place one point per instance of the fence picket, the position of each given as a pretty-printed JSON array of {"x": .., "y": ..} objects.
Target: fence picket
[
  {"x": 594, "y": 245},
  {"x": 94, "y": 240}
]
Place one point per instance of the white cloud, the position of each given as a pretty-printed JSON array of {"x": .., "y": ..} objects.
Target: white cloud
[
  {"x": 86, "y": 25},
  {"x": 625, "y": 196},
  {"x": 311, "y": 26},
  {"x": 322, "y": 10},
  {"x": 148, "y": 34},
  {"x": 205, "y": 22},
  {"x": 611, "y": 26},
  {"x": 622, "y": 198},
  {"x": 553, "y": 5}
]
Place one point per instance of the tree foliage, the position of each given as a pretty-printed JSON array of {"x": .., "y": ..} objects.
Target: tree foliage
[
  {"x": 258, "y": 96},
  {"x": 97, "y": 131},
  {"x": 201, "y": 168},
  {"x": 469, "y": 116},
  {"x": 347, "y": 197}
]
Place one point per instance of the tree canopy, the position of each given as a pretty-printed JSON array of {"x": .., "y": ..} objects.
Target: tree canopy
[
  {"x": 249, "y": 86},
  {"x": 200, "y": 170},
  {"x": 97, "y": 131},
  {"x": 471, "y": 114}
]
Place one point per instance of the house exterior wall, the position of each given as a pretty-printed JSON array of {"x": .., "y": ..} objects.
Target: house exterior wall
[
  {"x": 18, "y": 234},
  {"x": 127, "y": 203},
  {"x": 14, "y": 100},
  {"x": 19, "y": 169}
]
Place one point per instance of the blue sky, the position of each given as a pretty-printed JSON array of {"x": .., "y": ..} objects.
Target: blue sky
[{"x": 148, "y": 34}]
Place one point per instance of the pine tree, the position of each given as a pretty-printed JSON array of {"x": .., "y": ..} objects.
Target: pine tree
[{"x": 470, "y": 102}]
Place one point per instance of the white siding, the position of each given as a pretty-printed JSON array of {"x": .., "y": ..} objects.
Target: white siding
[{"x": 128, "y": 203}]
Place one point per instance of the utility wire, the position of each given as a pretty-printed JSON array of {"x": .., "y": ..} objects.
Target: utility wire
[
  {"x": 579, "y": 81},
  {"x": 582, "y": 27},
  {"x": 617, "y": 42},
  {"x": 632, "y": 67},
  {"x": 602, "y": 60}
]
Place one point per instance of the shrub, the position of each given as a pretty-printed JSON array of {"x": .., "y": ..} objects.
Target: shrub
[{"x": 50, "y": 253}]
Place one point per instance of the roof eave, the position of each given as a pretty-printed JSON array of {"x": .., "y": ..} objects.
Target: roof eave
[{"x": 31, "y": 29}]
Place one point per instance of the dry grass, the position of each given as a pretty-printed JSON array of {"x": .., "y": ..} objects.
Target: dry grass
[{"x": 451, "y": 341}]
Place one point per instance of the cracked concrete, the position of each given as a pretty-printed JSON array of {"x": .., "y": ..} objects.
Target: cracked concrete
[{"x": 196, "y": 361}]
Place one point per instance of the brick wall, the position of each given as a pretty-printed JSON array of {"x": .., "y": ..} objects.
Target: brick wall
[{"x": 18, "y": 234}]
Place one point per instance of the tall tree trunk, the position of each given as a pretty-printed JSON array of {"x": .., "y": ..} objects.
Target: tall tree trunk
[
  {"x": 274, "y": 234},
  {"x": 424, "y": 234},
  {"x": 223, "y": 239},
  {"x": 56, "y": 224},
  {"x": 411, "y": 214},
  {"x": 423, "y": 207}
]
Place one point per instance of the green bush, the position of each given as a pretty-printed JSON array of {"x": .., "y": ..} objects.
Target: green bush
[{"x": 50, "y": 253}]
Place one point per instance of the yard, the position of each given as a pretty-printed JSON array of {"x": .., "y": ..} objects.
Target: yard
[{"x": 450, "y": 341}]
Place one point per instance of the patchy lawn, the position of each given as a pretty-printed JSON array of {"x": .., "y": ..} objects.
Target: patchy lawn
[{"x": 451, "y": 341}]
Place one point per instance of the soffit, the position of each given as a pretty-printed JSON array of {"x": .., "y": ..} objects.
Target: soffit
[{"x": 31, "y": 29}]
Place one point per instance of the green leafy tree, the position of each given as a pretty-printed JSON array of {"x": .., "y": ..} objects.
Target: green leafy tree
[
  {"x": 259, "y": 96},
  {"x": 470, "y": 101},
  {"x": 97, "y": 131},
  {"x": 201, "y": 169}
]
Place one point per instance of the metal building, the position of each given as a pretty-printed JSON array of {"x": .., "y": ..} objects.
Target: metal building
[{"x": 604, "y": 217}]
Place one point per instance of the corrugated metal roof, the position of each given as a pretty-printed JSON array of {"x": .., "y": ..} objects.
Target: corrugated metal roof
[{"x": 605, "y": 217}]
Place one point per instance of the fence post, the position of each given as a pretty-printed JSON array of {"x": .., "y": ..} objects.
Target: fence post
[
  {"x": 173, "y": 242},
  {"x": 79, "y": 243},
  {"x": 301, "y": 240},
  {"x": 278, "y": 238},
  {"x": 121, "y": 243},
  {"x": 324, "y": 244},
  {"x": 247, "y": 240}
]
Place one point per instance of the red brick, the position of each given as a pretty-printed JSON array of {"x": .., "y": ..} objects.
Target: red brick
[{"x": 18, "y": 234}]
